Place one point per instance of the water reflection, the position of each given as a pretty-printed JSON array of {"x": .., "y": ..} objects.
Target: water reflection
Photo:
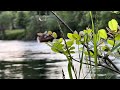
[
  {"x": 30, "y": 69},
  {"x": 104, "y": 73}
]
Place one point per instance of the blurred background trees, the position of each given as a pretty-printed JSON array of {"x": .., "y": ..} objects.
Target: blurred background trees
[{"x": 24, "y": 25}]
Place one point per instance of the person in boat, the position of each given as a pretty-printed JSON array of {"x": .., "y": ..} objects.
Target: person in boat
[{"x": 44, "y": 37}]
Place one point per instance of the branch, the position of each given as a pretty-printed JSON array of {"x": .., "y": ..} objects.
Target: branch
[
  {"x": 98, "y": 65},
  {"x": 62, "y": 21}
]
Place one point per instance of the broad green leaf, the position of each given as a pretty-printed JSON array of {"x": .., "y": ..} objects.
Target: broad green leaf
[
  {"x": 76, "y": 36},
  {"x": 60, "y": 40},
  {"x": 55, "y": 44},
  {"x": 60, "y": 46},
  {"x": 54, "y": 35},
  {"x": 113, "y": 25},
  {"x": 70, "y": 43},
  {"x": 102, "y": 33},
  {"x": 117, "y": 37},
  {"x": 70, "y": 36},
  {"x": 77, "y": 42},
  {"x": 54, "y": 49},
  {"x": 111, "y": 42}
]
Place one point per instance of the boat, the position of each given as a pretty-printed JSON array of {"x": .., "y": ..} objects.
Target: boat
[{"x": 42, "y": 37}]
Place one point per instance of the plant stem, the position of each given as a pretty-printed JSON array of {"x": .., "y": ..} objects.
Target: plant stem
[
  {"x": 95, "y": 42},
  {"x": 99, "y": 65},
  {"x": 62, "y": 21},
  {"x": 70, "y": 57},
  {"x": 81, "y": 60}
]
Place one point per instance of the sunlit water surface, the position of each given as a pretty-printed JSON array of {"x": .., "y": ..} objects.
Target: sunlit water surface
[{"x": 32, "y": 60}]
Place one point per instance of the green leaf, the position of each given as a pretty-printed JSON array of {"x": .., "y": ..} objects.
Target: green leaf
[
  {"x": 54, "y": 35},
  {"x": 81, "y": 48},
  {"x": 54, "y": 49},
  {"x": 91, "y": 54},
  {"x": 66, "y": 53},
  {"x": 105, "y": 48},
  {"x": 72, "y": 52},
  {"x": 49, "y": 32},
  {"x": 70, "y": 36},
  {"x": 72, "y": 48},
  {"x": 88, "y": 31},
  {"x": 77, "y": 42},
  {"x": 111, "y": 42},
  {"x": 113, "y": 25},
  {"x": 86, "y": 53},
  {"x": 60, "y": 46},
  {"x": 70, "y": 43},
  {"x": 60, "y": 40},
  {"x": 102, "y": 33},
  {"x": 117, "y": 37},
  {"x": 76, "y": 36},
  {"x": 98, "y": 37}
]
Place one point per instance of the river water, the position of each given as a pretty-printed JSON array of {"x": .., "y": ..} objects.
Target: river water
[{"x": 32, "y": 60}]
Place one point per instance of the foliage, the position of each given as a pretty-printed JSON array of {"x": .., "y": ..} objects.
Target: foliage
[
  {"x": 6, "y": 19},
  {"x": 34, "y": 27},
  {"x": 21, "y": 20},
  {"x": 77, "y": 20},
  {"x": 99, "y": 52},
  {"x": 15, "y": 34}
]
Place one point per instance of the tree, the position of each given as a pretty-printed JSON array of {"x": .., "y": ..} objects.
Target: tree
[
  {"x": 5, "y": 21},
  {"x": 21, "y": 20},
  {"x": 34, "y": 27}
]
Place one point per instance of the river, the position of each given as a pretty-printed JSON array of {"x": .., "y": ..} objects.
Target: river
[{"x": 32, "y": 60}]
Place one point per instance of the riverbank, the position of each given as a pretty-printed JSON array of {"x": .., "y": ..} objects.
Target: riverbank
[{"x": 17, "y": 34}]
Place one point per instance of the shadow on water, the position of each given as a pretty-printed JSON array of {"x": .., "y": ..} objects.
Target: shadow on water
[
  {"x": 32, "y": 69},
  {"x": 103, "y": 73}
]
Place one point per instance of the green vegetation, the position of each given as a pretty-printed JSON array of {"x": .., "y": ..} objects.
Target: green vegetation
[
  {"x": 41, "y": 21},
  {"x": 16, "y": 34},
  {"x": 98, "y": 32},
  {"x": 93, "y": 57}
]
